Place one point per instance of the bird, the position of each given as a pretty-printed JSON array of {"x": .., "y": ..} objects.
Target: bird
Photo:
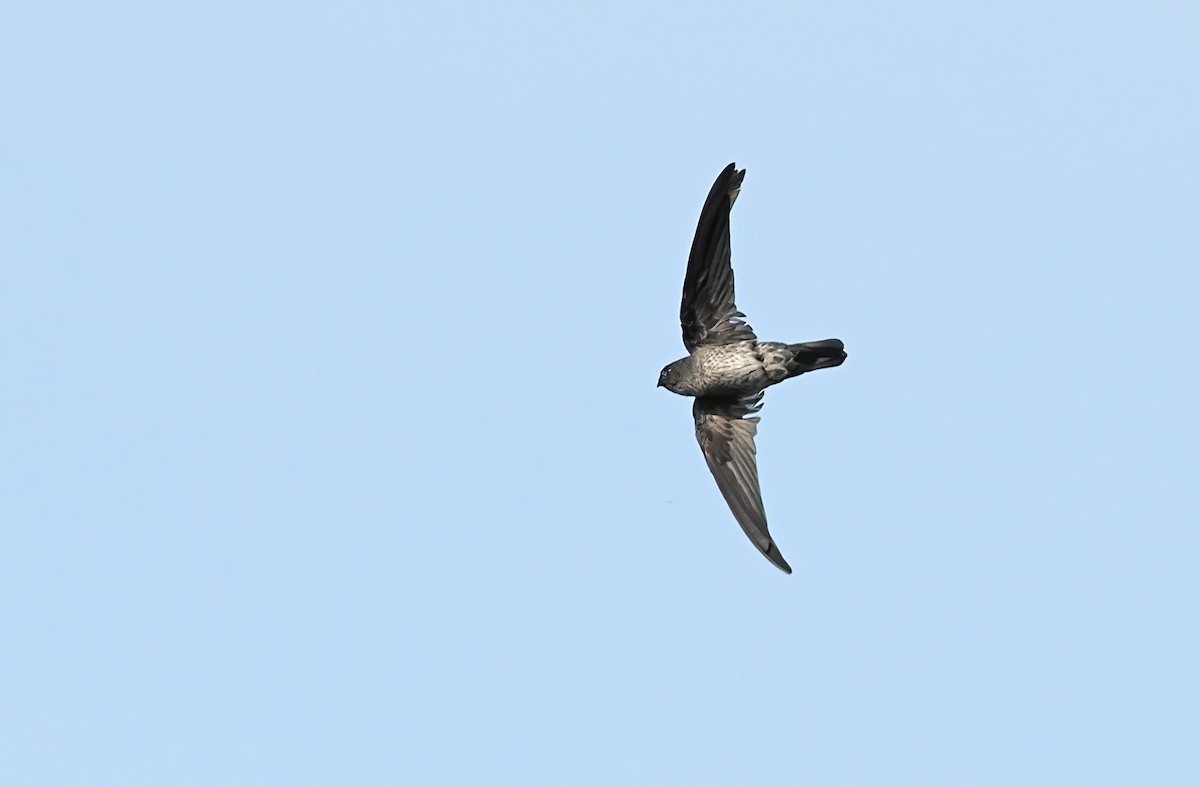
[{"x": 727, "y": 369}]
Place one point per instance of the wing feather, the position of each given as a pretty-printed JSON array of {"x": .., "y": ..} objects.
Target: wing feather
[
  {"x": 726, "y": 437},
  {"x": 707, "y": 312}
]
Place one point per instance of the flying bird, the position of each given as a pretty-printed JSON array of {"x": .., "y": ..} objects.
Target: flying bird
[{"x": 727, "y": 368}]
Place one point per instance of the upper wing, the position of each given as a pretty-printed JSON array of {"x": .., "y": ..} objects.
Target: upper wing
[
  {"x": 708, "y": 314},
  {"x": 726, "y": 437}
]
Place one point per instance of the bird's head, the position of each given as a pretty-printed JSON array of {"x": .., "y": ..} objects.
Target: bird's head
[{"x": 671, "y": 376}]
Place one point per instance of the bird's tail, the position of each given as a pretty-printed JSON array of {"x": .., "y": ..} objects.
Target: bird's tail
[{"x": 810, "y": 356}]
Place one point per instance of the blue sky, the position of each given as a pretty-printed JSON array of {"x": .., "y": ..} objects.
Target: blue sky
[{"x": 330, "y": 448}]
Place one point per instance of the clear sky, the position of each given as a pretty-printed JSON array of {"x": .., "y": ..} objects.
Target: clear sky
[{"x": 330, "y": 448}]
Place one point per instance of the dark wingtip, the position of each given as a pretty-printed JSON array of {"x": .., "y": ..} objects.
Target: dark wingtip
[
  {"x": 727, "y": 183},
  {"x": 772, "y": 554}
]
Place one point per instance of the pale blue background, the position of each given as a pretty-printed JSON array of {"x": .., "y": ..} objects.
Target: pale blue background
[{"x": 331, "y": 452}]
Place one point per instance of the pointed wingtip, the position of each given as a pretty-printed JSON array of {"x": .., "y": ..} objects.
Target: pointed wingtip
[
  {"x": 730, "y": 180},
  {"x": 772, "y": 553}
]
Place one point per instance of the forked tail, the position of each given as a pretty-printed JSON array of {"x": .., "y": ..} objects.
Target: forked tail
[{"x": 810, "y": 356}]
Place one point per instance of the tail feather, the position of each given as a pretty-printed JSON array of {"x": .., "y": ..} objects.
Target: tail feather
[{"x": 810, "y": 356}]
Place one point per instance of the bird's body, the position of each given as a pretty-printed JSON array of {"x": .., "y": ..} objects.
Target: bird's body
[
  {"x": 719, "y": 370},
  {"x": 727, "y": 368},
  {"x": 742, "y": 368}
]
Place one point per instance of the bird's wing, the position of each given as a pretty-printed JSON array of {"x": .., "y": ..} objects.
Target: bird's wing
[
  {"x": 726, "y": 437},
  {"x": 707, "y": 313}
]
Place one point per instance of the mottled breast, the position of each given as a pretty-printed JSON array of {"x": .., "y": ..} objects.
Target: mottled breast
[{"x": 730, "y": 369}]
